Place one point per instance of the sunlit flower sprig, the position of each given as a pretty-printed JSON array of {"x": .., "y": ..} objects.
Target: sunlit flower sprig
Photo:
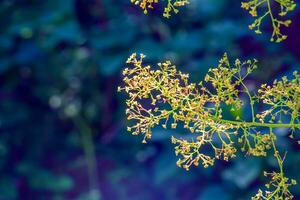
[
  {"x": 163, "y": 96},
  {"x": 171, "y": 5},
  {"x": 263, "y": 9}
]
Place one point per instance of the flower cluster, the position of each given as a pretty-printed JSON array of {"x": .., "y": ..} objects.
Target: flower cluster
[
  {"x": 190, "y": 152},
  {"x": 226, "y": 80},
  {"x": 171, "y": 7},
  {"x": 267, "y": 9},
  {"x": 145, "y": 4},
  {"x": 156, "y": 88},
  {"x": 277, "y": 188},
  {"x": 164, "y": 96},
  {"x": 283, "y": 100},
  {"x": 168, "y": 99},
  {"x": 255, "y": 143}
]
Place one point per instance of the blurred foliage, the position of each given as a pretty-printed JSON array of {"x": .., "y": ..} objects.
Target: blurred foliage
[{"x": 60, "y": 64}]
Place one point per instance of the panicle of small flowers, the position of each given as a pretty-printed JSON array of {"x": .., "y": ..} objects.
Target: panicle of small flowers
[
  {"x": 157, "y": 89},
  {"x": 189, "y": 104},
  {"x": 190, "y": 153},
  {"x": 282, "y": 98},
  {"x": 171, "y": 7},
  {"x": 277, "y": 188},
  {"x": 145, "y": 4},
  {"x": 215, "y": 138},
  {"x": 227, "y": 80},
  {"x": 256, "y": 6},
  {"x": 255, "y": 143}
]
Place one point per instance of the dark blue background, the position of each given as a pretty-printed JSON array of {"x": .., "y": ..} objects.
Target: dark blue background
[{"x": 62, "y": 123}]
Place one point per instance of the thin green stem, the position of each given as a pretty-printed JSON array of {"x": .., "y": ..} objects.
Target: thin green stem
[
  {"x": 270, "y": 10},
  {"x": 272, "y": 18},
  {"x": 250, "y": 99},
  {"x": 89, "y": 151},
  {"x": 276, "y": 152},
  {"x": 257, "y": 124}
]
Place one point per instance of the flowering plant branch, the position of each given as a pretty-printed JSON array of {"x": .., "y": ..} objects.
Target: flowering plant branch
[
  {"x": 164, "y": 96},
  {"x": 275, "y": 10}
]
